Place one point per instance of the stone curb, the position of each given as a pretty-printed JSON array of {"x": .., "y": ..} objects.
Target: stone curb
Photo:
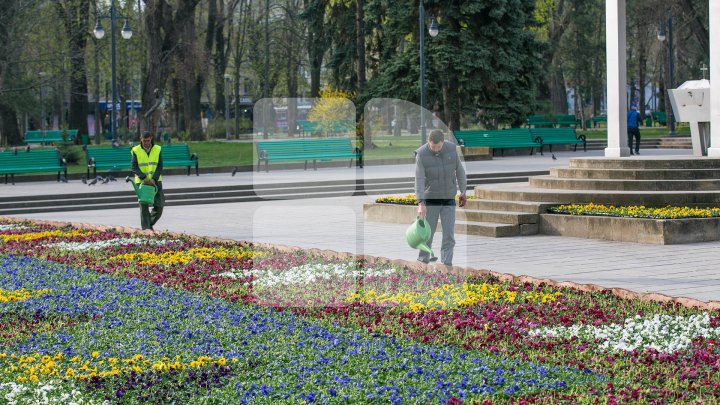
[{"x": 417, "y": 266}]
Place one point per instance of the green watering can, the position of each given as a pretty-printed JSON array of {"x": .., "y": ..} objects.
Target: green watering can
[
  {"x": 418, "y": 234},
  {"x": 145, "y": 193}
]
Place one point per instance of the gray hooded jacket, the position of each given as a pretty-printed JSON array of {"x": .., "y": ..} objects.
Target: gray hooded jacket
[{"x": 439, "y": 175}]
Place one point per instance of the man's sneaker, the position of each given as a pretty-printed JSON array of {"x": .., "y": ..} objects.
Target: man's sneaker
[{"x": 426, "y": 261}]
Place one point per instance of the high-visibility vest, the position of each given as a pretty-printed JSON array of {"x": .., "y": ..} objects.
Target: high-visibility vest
[{"x": 147, "y": 161}]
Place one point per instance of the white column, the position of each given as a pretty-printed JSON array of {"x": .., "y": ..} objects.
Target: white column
[
  {"x": 615, "y": 35},
  {"x": 714, "y": 151}
]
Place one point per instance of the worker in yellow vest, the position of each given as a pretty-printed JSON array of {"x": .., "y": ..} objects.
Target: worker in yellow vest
[{"x": 147, "y": 165}]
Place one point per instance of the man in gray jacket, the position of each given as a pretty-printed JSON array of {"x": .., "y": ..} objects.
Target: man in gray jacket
[{"x": 438, "y": 176}]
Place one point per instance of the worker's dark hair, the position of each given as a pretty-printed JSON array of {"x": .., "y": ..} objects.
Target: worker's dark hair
[
  {"x": 436, "y": 136},
  {"x": 146, "y": 134}
]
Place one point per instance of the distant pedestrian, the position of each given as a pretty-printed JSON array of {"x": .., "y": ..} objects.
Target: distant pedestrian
[
  {"x": 439, "y": 174},
  {"x": 633, "y": 129},
  {"x": 147, "y": 165}
]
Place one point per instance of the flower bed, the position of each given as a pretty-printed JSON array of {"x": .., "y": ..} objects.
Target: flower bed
[
  {"x": 636, "y": 211},
  {"x": 409, "y": 199},
  {"x": 170, "y": 318}
]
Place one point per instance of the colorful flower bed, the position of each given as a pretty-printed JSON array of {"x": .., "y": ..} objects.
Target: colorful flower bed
[
  {"x": 104, "y": 317},
  {"x": 634, "y": 211},
  {"x": 409, "y": 199}
]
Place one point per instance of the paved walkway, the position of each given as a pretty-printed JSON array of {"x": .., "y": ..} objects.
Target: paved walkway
[{"x": 690, "y": 270}]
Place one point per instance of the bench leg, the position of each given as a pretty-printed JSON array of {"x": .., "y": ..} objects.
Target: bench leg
[
  {"x": 306, "y": 165},
  {"x": 267, "y": 166},
  {"x": 314, "y": 164},
  {"x": 350, "y": 165},
  {"x": 12, "y": 178},
  {"x": 575, "y": 148},
  {"x": 197, "y": 169},
  {"x": 188, "y": 170}
]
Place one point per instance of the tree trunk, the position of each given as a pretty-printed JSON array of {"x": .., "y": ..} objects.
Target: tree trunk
[
  {"x": 163, "y": 38},
  {"x": 8, "y": 126},
  {"x": 360, "y": 44},
  {"x": 74, "y": 16}
]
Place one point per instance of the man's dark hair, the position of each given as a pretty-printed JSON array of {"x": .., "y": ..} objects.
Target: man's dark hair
[
  {"x": 146, "y": 134},
  {"x": 436, "y": 136}
]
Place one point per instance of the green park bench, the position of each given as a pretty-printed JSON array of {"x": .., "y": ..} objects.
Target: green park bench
[
  {"x": 178, "y": 155},
  {"x": 558, "y": 136},
  {"x": 49, "y": 136},
  {"x": 537, "y": 121},
  {"x": 498, "y": 139},
  {"x": 599, "y": 119},
  {"x": 659, "y": 116},
  {"x": 307, "y": 128},
  {"x": 119, "y": 159},
  {"x": 566, "y": 120},
  {"x": 306, "y": 150},
  {"x": 32, "y": 161},
  {"x": 110, "y": 159}
]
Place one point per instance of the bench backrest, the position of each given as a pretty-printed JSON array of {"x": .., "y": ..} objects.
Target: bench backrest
[
  {"x": 109, "y": 155},
  {"x": 497, "y": 138},
  {"x": 179, "y": 151},
  {"x": 49, "y": 135},
  {"x": 600, "y": 118},
  {"x": 32, "y": 158},
  {"x": 554, "y": 134},
  {"x": 304, "y": 147},
  {"x": 659, "y": 116},
  {"x": 566, "y": 119},
  {"x": 533, "y": 120}
]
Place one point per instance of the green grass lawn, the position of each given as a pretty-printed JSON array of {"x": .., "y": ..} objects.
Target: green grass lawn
[{"x": 386, "y": 147}]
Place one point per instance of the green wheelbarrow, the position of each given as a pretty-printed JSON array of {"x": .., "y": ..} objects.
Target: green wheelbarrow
[{"x": 145, "y": 193}]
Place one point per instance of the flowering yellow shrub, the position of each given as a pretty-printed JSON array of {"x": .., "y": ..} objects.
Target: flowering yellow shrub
[
  {"x": 451, "y": 296},
  {"x": 186, "y": 256},
  {"x": 37, "y": 367},
  {"x": 20, "y": 295},
  {"x": 25, "y": 237},
  {"x": 636, "y": 211}
]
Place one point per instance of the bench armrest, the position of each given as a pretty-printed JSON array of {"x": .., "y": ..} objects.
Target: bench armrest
[
  {"x": 538, "y": 139},
  {"x": 91, "y": 162},
  {"x": 582, "y": 137},
  {"x": 194, "y": 156}
]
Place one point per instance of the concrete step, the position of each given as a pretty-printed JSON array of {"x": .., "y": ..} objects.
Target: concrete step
[
  {"x": 549, "y": 182},
  {"x": 636, "y": 174},
  {"x": 490, "y": 229},
  {"x": 502, "y": 217},
  {"x": 512, "y": 206},
  {"x": 524, "y": 192},
  {"x": 643, "y": 162}
]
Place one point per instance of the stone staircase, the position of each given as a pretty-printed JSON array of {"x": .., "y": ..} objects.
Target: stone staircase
[{"x": 514, "y": 209}]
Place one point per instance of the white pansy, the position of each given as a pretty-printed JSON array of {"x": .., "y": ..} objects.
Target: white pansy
[
  {"x": 47, "y": 393},
  {"x": 102, "y": 244},
  {"x": 11, "y": 227},
  {"x": 664, "y": 333},
  {"x": 307, "y": 274}
]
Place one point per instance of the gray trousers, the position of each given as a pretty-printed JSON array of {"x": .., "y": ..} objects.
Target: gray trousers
[{"x": 446, "y": 214}]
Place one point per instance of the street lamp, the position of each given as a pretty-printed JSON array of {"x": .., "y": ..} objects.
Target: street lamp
[
  {"x": 99, "y": 33},
  {"x": 670, "y": 82},
  {"x": 227, "y": 106},
  {"x": 433, "y": 31}
]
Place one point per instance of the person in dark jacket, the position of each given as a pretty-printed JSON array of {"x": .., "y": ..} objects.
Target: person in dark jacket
[
  {"x": 439, "y": 174},
  {"x": 633, "y": 129},
  {"x": 147, "y": 165}
]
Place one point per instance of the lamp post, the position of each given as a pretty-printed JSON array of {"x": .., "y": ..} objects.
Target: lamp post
[
  {"x": 99, "y": 33},
  {"x": 227, "y": 106},
  {"x": 433, "y": 31},
  {"x": 670, "y": 82}
]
